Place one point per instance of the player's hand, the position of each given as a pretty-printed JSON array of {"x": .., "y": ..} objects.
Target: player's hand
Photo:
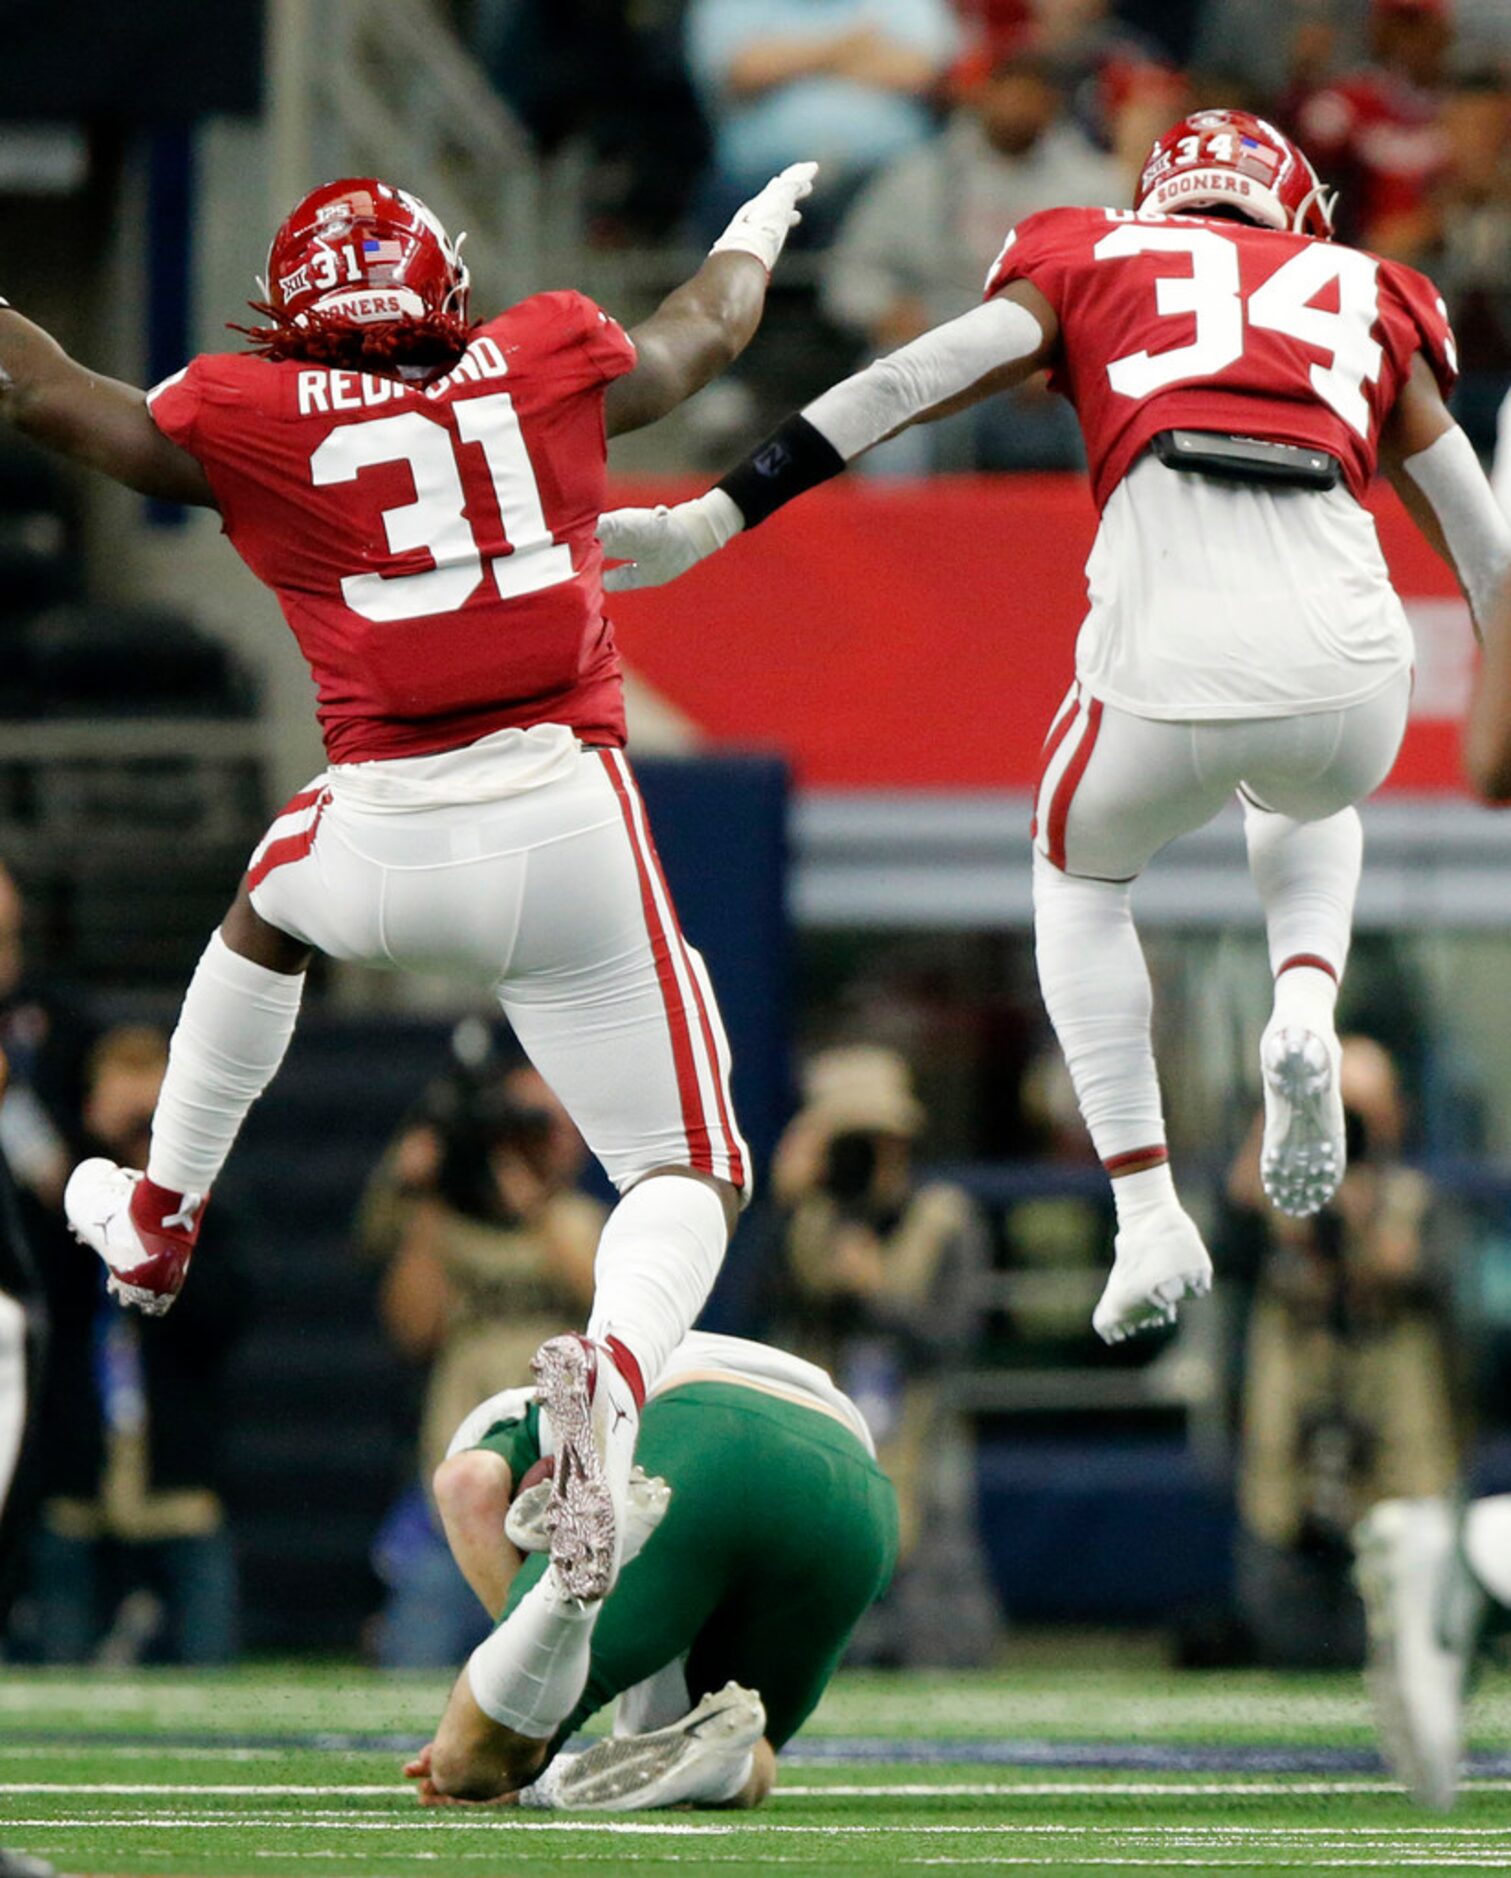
[
  {"x": 761, "y": 225},
  {"x": 427, "y": 1793},
  {"x": 661, "y": 543}
]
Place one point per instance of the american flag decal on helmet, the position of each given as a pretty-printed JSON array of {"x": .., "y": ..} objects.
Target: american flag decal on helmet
[{"x": 1257, "y": 160}]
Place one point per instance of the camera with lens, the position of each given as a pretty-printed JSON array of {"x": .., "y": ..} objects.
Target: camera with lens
[
  {"x": 850, "y": 1168},
  {"x": 476, "y": 1120}
]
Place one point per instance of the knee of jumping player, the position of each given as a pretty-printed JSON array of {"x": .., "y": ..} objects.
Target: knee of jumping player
[{"x": 731, "y": 1198}]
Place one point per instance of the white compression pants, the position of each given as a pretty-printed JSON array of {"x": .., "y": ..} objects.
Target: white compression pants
[
  {"x": 554, "y": 899},
  {"x": 1115, "y": 789}
]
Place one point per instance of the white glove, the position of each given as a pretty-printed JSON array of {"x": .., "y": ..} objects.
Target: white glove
[
  {"x": 662, "y": 543},
  {"x": 761, "y": 225}
]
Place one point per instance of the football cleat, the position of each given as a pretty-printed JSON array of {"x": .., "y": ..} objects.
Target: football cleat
[
  {"x": 1424, "y": 1611},
  {"x": 694, "y": 1759},
  {"x": 1157, "y": 1260},
  {"x": 147, "y": 1266},
  {"x": 1304, "y": 1151},
  {"x": 593, "y": 1414},
  {"x": 646, "y": 1501}
]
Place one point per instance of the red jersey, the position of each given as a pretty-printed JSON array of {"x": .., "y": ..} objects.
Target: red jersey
[
  {"x": 1199, "y": 323},
  {"x": 432, "y": 546}
]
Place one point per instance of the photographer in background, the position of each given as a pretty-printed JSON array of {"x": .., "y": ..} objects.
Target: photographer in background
[
  {"x": 880, "y": 1285},
  {"x": 1347, "y": 1396},
  {"x": 488, "y": 1252}
]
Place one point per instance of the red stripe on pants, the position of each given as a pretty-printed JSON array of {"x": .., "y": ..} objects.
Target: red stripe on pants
[
  {"x": 1075, "y": 769},
  {"x": 705, "y": 1024},
  {"x": 695, "y": 1125},
  {"x": 1058, "y": 731},
  {"x": 289, "y": 847}
]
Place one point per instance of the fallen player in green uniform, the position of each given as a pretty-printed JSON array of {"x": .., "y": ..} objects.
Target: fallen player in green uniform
[{"x": 745, "y": 1575}]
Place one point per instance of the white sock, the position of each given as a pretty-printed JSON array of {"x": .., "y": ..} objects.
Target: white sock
[
  {"x": 530, "y": 1674},
  {"x": 657, "y": 1260},
  {"x": 1307, "y": 876},
  {"x": 1097, "y": 991},
  {"x": 1150, "y": 1190},
  {"x": 232, "y": 1033},
  {"x": 1487, "y": 1544}
]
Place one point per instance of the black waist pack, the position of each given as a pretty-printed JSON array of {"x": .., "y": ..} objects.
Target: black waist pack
[{"x": 1247, "y": 459}]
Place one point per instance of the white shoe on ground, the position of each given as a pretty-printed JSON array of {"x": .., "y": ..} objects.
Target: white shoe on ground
[
  {"x": 1423, "y": 1611},
  {"x": 595, "y": 1421},
  {"x": 1304, "y": 1150},
  {"x": 694, "y": 1759},
  {"x": 1158, "y": 1259}
]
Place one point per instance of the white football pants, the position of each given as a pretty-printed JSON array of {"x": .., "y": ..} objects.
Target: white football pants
[
  {"x": 554, "y": 899},
  {"x": 1114, "y": 790}
]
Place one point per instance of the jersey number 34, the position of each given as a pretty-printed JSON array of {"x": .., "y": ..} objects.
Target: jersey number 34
[
  {"x": 436, "y": 521},
  {"x": 1213, "y": 292}
]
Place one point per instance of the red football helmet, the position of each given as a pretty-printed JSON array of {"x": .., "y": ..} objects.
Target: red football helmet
[
  {"x": 1234, "y": 160},
  {"x": 361, "y": 272}
]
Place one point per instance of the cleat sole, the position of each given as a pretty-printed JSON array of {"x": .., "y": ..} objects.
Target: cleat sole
[
  {"x": 1300, "y": 1172},
  {"x": 580, "y": 1515}
]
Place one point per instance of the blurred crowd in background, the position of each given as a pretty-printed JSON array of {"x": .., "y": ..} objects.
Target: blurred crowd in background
[
  {"x": 940, "y": 123},
  {"x": 932, "y": 1226},
  {"x": 1337, "y": 1370}
]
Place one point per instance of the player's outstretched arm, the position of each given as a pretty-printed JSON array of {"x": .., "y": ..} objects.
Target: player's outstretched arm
[
  {"x": 707, "y": 322},
  {"x": 97, "y": 421},
  {"x": 990, "y": 349},
  {"x": 1438, "y": 477}
]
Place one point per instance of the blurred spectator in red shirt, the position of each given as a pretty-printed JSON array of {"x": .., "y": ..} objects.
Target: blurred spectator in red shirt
[
  {"x": 1258, "y": 53},
  {"x": 1100, "y": 63},
  {"x": 1378, "y": 134},
  {"x": 1103, "y": 64}
]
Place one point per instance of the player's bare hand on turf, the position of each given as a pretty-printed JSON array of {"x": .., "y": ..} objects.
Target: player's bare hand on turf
[
  {"x": 428, "y": 1794},
  {"x": 661, "y": 543}
]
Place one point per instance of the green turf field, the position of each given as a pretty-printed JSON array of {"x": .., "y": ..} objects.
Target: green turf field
[{"x": 1079, "y": 1768}]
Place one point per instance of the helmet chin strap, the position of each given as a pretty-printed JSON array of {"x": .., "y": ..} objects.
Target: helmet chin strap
[{"x": 456, "y": 299}]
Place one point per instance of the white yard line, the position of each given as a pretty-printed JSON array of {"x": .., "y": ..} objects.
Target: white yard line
[
  {"x": 1228, "y": 1838},
  {"x": 137, "y": 1751},
  {"x": 1429, "y": 1862},
  {"x": 1112, "y": 1786},
  {"x": 122, "y": 1789}
]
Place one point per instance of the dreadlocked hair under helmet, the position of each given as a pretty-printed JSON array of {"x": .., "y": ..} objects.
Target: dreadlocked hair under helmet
[{"x": 428, "y": 339}]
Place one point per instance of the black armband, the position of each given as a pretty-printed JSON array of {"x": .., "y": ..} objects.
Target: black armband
[{"x": 793, "y": 458}]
